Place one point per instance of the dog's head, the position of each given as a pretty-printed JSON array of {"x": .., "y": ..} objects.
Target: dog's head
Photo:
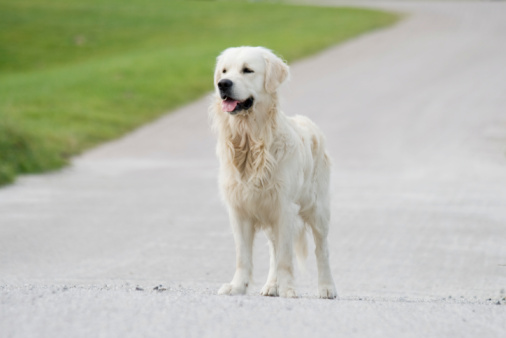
[{"x": 247, "y": 75}]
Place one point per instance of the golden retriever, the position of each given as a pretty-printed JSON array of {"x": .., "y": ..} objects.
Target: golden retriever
[{"x": 273, "y": 169}]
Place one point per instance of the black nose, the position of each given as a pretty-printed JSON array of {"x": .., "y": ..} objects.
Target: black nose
[{"x": 225, "y": 84}]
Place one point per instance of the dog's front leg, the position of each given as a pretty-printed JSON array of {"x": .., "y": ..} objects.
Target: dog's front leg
[
  {"x": 285, "y": 253},
  {"x": 244, "y": 233},
  {"x": 271, "y": 286}
]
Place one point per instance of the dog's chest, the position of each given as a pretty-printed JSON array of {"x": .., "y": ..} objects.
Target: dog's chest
[
  {"x": 249, "y": 180},
  {"x": 251, "y": 197}
]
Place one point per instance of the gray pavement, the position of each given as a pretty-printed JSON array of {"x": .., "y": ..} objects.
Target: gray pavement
[{"x": 415, "y": 117}]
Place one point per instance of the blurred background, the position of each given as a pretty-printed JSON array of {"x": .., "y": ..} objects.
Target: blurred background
[
  {"x": 76, "y": 73},
  {"x": 409, "y": 94}
]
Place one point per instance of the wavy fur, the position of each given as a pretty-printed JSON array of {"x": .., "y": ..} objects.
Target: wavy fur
[{"x": 274, "y": 174}]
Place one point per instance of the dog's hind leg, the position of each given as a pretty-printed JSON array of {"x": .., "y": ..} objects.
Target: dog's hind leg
[
  {"x": 244, "y": 234},
  {"x": 319, "y": 222}
]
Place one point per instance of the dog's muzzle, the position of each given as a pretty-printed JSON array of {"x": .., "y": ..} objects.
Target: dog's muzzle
[{"x": 229, "y": 103}]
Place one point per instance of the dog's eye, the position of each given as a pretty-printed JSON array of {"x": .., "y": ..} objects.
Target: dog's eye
[
  {"x": 224, "y": 71},
  {"x": 246, "y": 70}
]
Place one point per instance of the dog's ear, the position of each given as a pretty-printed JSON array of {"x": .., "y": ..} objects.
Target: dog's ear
[{"x": 276, "y": 72}]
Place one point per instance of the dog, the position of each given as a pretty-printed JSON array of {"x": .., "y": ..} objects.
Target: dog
[{"x": 274, "y": 171}]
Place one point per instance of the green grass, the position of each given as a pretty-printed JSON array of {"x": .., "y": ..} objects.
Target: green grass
[{"x": 76, "y": 73}]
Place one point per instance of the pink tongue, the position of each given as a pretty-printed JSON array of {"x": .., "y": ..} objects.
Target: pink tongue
[{"x": 229, "y": 105}]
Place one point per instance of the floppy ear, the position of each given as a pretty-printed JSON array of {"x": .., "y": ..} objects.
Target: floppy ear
[{"x": 276, "y": 72}]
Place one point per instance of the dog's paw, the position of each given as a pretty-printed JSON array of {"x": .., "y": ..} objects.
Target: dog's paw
[
  {"x": 229, "y": 289},
  {"x": 270, "y": 290},
  {"x": 327, "y": 291},
  {"x": 287, "y": 292}
]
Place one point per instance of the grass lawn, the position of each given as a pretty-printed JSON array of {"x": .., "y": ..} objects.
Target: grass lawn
[{"x": 76, "y": 73}]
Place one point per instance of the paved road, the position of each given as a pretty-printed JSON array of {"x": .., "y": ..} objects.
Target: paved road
[{"x": 416, "y": 122}]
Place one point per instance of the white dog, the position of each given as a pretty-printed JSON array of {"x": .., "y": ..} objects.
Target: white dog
[{"x": 273, "y": 169}]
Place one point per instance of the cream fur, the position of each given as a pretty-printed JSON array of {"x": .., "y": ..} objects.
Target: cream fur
[{"x": 274, "y": 173}]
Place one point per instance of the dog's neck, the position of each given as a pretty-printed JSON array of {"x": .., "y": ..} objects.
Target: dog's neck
[{"x": 245, "y": 139}]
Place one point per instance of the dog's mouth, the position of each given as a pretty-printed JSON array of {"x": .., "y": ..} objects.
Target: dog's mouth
[{"x": 233, "y": 106}]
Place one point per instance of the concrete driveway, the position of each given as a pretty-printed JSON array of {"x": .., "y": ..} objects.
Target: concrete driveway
[{"x": 415, "y": 117}]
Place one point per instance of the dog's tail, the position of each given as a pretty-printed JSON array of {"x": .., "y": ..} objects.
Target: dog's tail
[{"x": 301, "y": 248}]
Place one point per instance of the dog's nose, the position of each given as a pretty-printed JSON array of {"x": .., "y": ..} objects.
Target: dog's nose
[{"x": 225, "y": 84}]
